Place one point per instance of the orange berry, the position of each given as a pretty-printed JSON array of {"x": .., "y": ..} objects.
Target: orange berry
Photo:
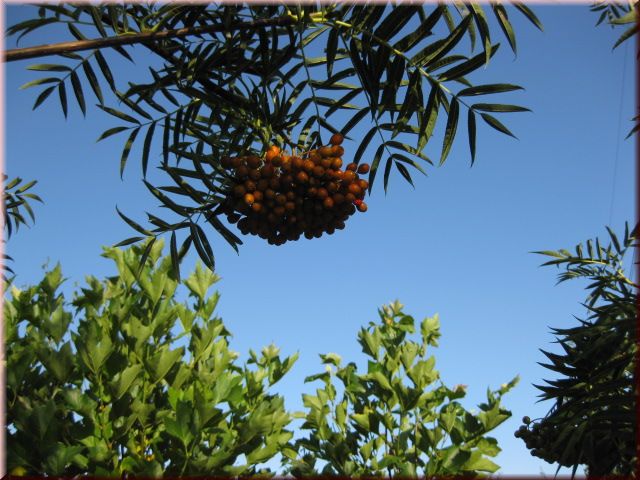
[
  {"x": 352, "y": 166},
  {"x": 363, "y": 184},
  {"x": 253, "y": 161},
  {"x": 328, "y": 202},
  {"x": 249, "y": 198},
  {"x": 322, "y": 193},
  {"x": 302, "y": 177},
  {"x": 272, "y": 153},
  {"x": 337, "y": 163},
  {"x": 336, "y": 139},
  {"x": 364, "y": 168},
  {"x": 297, "y": 163},
  {"x": 355, "y": 189},
  {"x": 308, "y": 165},
  {"x": 362, "y": 207},
  {"x": 256, "y": 207},
  {"x": 338, "y": 151},
  {"x": 325, "y": 162},
  {"x": 348, "y": 176},
  {"x": 325, "y": 151},
  {"x": 258, "y": 196},
  {"x": 318, "y": 171},
  {"x": 242, "y": 171}
]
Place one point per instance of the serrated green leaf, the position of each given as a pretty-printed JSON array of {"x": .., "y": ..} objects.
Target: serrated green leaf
[
  {"x": 119, "y": 114},
  {"x": 133, "y": 224},
  {"x": 364, "y": 144},
  {"x": 202, "y": 245},
  {"x": 93, "y": 81},
  {"x": 503, "y": 20},
  {"x": 471, "y": 125},
  {"x": 43, "y": 96},
  {"x": 469, "y": 66},
  {"x": 374, "y": 165},
  {"x": 104, "y": 68},
  {"x": 145, "y": 149},
  {"x": 127, "y": 149},
  {"x": 422, "y": 32},
  {"x": 77, "y": 90},
  {"x": 450, "y": 130},
  {"x": 495, "y": 107},
  {"x": 62, "y": 94},
  {"x": 49, "y": 67},
  {"x": 39, "y": 81},
  {"x": 528, "y": 13},
  {"x": 488, "y": 89},
  {"x": 495, "y": 123},
  {"x": 110, "y": 132}
]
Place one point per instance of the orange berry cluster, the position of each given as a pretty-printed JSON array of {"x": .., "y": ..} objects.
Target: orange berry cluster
[{"x": 281, "y": 197}]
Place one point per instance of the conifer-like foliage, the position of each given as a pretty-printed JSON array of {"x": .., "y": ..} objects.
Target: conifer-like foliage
[{"x": 235, "y": 79}]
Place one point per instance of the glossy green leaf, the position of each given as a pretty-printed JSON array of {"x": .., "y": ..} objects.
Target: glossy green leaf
[
  {"x": 488, "y": 89},
  {"x": 471, "y": 128},
  {"x": 43, "y": 96},
  {"x": 496, "y": 124},
  {"x": 494, "y": 107},
  {"x": 146, "y": 148},
  {"x": 62, "y": 94},
  {"x": 526, "y": 11},
  {"x": 127, "y": 149},
  {"x": 77, "y": 90},
  {"x": 450, "y": 131}
]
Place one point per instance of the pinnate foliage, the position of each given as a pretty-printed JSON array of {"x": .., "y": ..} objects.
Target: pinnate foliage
[
  {"x": 249, "y": 76},
  {"x": 593, "y": 419},
  {"x": 16, "y": 199}
]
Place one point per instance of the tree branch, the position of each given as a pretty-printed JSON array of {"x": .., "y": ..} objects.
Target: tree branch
[{"x": 130, "y": 39}]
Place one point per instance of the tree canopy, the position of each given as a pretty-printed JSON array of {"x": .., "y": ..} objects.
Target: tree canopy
[{"x": 237, "y": 79}]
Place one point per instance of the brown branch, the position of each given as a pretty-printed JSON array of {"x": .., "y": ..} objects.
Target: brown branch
[{"x": 79, "y": 45}]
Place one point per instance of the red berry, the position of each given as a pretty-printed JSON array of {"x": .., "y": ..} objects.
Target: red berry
[{"x": 357, "y": 202}]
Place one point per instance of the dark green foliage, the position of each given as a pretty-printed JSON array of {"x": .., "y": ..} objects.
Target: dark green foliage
[
  {"x": 16, "y": 199},
  {"x": 593, "y": 420},
  {"x": 398, "y": 419},
  {"x": 252, "y": 81}
]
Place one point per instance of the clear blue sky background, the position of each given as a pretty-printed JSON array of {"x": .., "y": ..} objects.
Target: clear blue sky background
[{"x": 458, "y": 244}]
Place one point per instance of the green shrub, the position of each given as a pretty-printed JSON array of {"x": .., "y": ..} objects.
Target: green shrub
[
  {"x": 385, "y": 426},
  {"x": 118, "y": 395},
  {"x": 127, "y": 380}
]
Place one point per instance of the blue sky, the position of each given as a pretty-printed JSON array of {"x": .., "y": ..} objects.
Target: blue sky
[{"x": 458, "y": 244}]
